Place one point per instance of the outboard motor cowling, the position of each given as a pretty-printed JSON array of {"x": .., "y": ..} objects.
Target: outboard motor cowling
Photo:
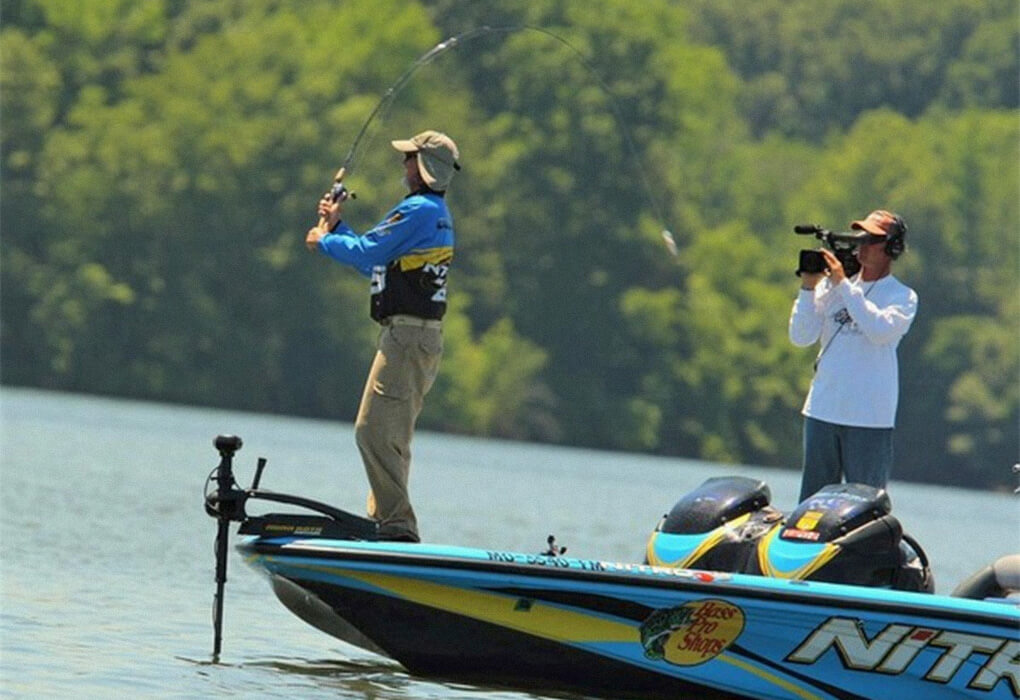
[
  {"x": 715, "y": 527},
  {"x": 844, "y": 534}
]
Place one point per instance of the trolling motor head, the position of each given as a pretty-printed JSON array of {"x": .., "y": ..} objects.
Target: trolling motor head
[
  {"x": 227, "y": 444},
  {"x": 226, "y": 502}
]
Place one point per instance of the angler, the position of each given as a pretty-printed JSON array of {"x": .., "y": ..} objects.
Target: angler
[{"x": 407, "y": 256}]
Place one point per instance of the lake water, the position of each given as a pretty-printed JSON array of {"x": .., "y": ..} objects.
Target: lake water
[{"x": 106, "y": 554}]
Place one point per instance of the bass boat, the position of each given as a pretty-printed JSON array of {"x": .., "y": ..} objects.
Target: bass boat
[{"x": 733, "y": 600}]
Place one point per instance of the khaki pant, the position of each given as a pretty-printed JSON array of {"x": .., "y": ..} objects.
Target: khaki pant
[{"x": 404, "y": 369}]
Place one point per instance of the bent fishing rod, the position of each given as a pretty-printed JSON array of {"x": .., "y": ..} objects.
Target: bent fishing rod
[{"x": 338, "y": 191}]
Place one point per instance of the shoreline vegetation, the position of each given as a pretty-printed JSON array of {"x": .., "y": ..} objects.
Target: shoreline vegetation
[{"x": 161, "y": 161}]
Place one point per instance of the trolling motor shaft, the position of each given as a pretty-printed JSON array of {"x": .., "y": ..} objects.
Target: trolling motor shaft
[{"x": 225, "y": 504}]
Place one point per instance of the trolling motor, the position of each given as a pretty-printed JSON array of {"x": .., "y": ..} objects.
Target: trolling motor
[{"x": 226, "y": 503}]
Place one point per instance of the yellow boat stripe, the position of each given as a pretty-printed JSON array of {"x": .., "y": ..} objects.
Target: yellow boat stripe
[
  {"x": 539, "y": 619},
  {"x": 418, "y": 259},
  {"x": 770, "y": 677}
]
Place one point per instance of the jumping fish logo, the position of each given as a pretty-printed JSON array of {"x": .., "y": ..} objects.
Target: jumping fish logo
[
  {"x": 843, "y": 318},
  {"x": 692, "y": 633}
]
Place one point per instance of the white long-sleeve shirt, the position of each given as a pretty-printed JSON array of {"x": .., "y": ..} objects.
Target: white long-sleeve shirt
[{"x": 856, "y": 382}]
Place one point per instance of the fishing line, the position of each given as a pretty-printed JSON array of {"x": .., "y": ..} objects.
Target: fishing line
[{"x": 339, "y": 191}]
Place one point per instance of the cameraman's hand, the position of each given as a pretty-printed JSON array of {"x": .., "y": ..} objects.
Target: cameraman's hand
[
  {"x": 810, "y": 280},
  {"x": 836, "y": 272}
]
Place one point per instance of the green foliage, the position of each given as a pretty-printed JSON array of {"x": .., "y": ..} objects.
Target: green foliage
[
  {"x": 718, "y": 343},
  {"x": 977, "y": 358},
  {"x": 161, "y": 161},
  {"x": 30, "y": 84},
  {"x": 488, "y": 386},
  {"x": 812, "y": 67}
]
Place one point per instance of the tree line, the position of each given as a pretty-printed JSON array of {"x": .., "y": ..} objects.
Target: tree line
[{"x": 161, "y": 160}]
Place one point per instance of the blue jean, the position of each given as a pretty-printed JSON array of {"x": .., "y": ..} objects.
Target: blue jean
[{"x": 831, "y": 452}]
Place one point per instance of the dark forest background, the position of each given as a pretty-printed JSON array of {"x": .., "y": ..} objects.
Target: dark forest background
[{"x": 161, "y": 160}]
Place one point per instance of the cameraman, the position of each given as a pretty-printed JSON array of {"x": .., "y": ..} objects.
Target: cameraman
[{"x": 850, "y": 409}]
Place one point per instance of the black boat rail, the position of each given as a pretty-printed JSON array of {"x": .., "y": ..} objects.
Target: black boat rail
[{"x": 226, "y": 503}]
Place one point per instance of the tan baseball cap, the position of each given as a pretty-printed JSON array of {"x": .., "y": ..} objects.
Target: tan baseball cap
[{"x": 437, "y": 157}]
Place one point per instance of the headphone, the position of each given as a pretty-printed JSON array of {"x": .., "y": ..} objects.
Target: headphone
[{"x": 896, "y": 239}]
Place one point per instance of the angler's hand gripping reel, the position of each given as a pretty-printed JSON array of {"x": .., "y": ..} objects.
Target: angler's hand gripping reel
[{"x": 338, "y": 192}]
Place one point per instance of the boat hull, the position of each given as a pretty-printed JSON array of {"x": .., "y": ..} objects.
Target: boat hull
[{"x": 623, "y": 630}]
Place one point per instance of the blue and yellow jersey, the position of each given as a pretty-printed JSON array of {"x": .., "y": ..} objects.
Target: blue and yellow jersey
[{"x": 407, "y": 256}]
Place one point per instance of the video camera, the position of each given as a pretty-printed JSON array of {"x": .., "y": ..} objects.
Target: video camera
[{"x": 841, "y": 244}]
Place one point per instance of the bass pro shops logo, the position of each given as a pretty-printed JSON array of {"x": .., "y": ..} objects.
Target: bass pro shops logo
[{"x": 692, "y": 633}]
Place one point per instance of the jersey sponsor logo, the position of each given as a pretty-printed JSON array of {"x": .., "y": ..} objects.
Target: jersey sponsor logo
[
  {"x": 378, "y": 282},
  {"x": 436, "y": 274},
  {"x": 383, "y": 229},
  {"x": 693, "y": 633},
  {"x": 937, "y": 655}
]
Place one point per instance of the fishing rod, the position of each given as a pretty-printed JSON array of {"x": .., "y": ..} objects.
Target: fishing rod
[{"x": 339, "y": 191}]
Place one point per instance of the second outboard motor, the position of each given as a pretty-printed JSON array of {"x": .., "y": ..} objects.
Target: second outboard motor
[
  {"x": 715, "y": 527},
  {"x": 844, "y": 534},
  {"x": 1000, "y": 580}
]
